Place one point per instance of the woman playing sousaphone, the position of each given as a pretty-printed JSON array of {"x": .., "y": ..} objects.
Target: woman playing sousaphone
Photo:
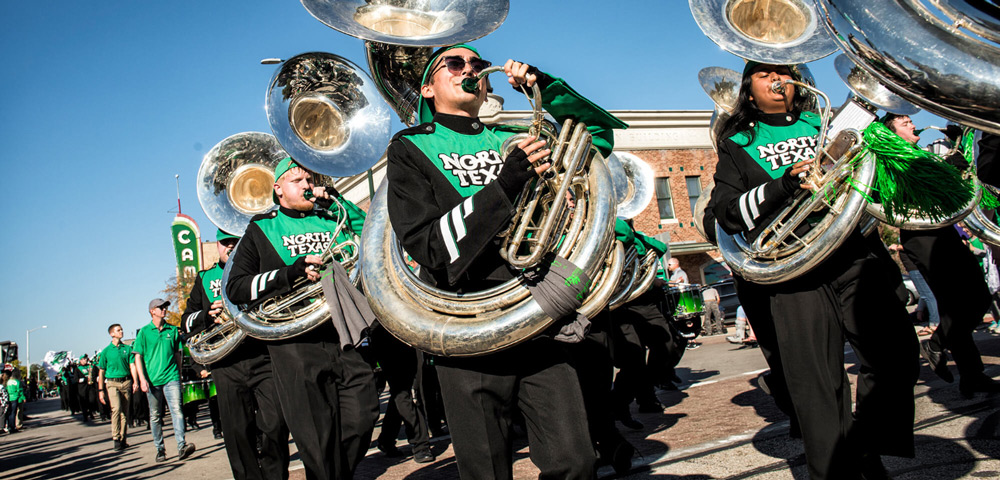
[{"x": 763, "y": 147}]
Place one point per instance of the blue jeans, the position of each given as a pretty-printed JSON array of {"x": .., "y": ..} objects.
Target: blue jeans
[
  {"x": 11, "y": 419},
  {"x": 171, "y": 393},
  {"x": 933, "y": 319}
]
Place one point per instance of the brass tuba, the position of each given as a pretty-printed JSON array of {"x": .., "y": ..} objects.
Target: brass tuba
[
  {"x": 632, "y": 179},
  {"x": 722, "y": 85},
  {"x": 327, "y": 113},
  {"x": 476, "y": 323},
  {"x": 868, "y": 91},
  {"x": 982, "y": 223},
  {"x": 214, "y": 344},
  {"x": 300, "y": 310},
  {"x": 942, "y": 55},
  {"x": 399, "y": 36},
  {"x": 791, "y": 32},
  {"x": 331, "y": 118},
  {"x": 234, "y": 184}
]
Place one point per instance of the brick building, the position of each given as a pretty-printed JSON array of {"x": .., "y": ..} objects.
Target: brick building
[{"x": 675, "y": 143}]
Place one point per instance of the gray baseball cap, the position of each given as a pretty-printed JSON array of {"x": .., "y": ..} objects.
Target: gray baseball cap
[{"x": 157, "y": 302}]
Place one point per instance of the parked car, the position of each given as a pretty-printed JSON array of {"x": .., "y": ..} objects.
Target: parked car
[{"x": 912, "y": 296}]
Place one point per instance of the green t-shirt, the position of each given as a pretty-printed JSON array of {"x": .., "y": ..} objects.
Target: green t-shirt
[
  {"x": 14, "y": 390},
  {"x": 115, "y": 360},
  {"x": 158, "y": 348}
]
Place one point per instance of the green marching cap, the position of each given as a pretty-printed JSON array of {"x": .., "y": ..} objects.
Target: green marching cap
[
  {"x": 284, "y": 165},
  {"x": 223, "y": 235}
]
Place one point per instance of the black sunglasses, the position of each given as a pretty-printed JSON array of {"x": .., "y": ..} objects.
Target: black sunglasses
[{"x": 456, "y": 64}]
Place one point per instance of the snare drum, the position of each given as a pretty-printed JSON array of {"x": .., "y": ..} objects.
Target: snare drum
[
  {"x": 687, "y": 299},
  {"x": 211, "y": 388},
  {"x": 193, "y": 391}
]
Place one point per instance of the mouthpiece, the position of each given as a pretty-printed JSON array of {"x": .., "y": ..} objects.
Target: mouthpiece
[
  {"x": 778, "y": 87},
  {"x": 932, "y": 127},
  {"x": 471, "y": 85},
  {"x": 308, "y": 194}
]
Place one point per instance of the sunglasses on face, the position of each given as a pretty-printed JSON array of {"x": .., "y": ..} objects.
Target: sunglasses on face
[{"x": 456, "y": 64}]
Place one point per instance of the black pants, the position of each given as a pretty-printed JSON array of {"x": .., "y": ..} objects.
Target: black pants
[
  {"x": 429, "y": 392},
  {"x": 190, "y": 411},
  {"x": 639, "y": 325},
  {"x": 756, "y": 302},
  {"x": 850, "y": 296},
  {"x": 85, "y": 392},
  {"x": 481, "y": 394},
  {"x": 249, "y": 404},
  {"x": 595, "y": 370},
  {"x": 399, "y": 366},
  {"x": 959, "y": 287},
  {"x": 328, "y": 399}
]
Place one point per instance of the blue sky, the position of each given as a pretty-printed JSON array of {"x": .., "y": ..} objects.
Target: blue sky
[{"x": 102, "y": 103}]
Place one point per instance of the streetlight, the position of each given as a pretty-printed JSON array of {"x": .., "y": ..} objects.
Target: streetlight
[{"x": 27, "y": 345}]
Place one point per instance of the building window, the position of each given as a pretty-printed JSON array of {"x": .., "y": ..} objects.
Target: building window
[
  {"x": 663, "y": 201},
  {"x": 694, "y": 190}
]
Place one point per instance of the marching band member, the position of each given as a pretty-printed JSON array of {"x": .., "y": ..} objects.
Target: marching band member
[
  {"x": 325, "y": 388},
  {"x": 643, "y": 325},
  {"x": 246, "y": 394},
  {"x": 850, "y": 295},
  {"x": 594, "y": 359},
  {"x": 447, "y": 211},
  {"x": 959, "y": 287}
]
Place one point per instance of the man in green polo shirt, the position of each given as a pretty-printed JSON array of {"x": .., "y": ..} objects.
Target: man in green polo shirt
[
  {"x": 116, "y": 365},
  {"x": 157, "y": 350}
]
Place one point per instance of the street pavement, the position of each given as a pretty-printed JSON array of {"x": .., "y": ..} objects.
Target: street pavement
[{"x": 718, "y": 425}]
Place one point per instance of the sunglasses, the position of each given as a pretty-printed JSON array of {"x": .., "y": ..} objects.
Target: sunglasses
[{"x": 456, "y": 64}]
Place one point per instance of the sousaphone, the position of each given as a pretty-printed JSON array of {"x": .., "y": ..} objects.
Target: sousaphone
[
  {"x": 790, "y": 32},
  {"x": 476, "y": 323},
  {"x": 941, "y": 55},
  {"x": 632, "y": 179},
  {"x": 234, "y": 184},
  {"x": 400, "y": 35},
  {"x": 867, "y": 91}
]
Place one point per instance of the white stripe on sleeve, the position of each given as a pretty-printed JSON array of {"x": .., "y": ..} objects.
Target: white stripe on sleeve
[
  {"x": 458, "y": 223},
  {"x": 253, "y": 287},
  {"x": 751, "y": 200},
  {"x": 449, "y": 240},
  {"x": 747, "y": 219}
]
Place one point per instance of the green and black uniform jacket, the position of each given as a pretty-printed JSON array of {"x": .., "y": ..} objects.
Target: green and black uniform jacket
[
  {"x": 751, "y": 186},
  {"x": 271, "y": 255},
  {"x": 443, "y": 202},
  {"x": 207, "y": 289}
]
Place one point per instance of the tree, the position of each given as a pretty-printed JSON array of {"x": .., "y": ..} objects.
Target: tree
[
  {"x": 176, "y": 292},
  {"x": 38, "y": 371}
]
